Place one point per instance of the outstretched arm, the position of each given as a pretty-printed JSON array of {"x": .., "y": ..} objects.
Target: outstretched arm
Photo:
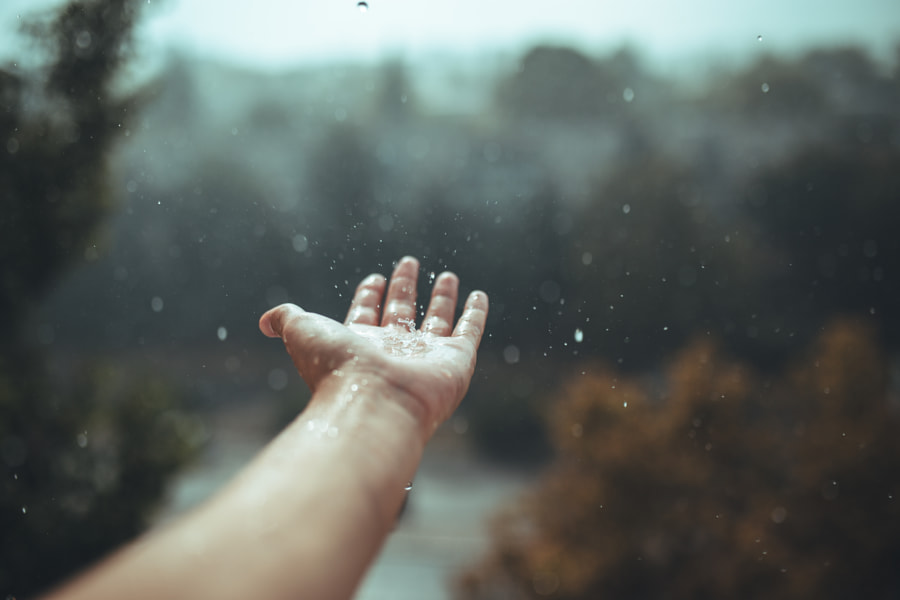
[{"x": 308, "y": 515}]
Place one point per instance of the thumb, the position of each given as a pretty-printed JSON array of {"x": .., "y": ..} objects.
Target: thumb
[{"x": 273, "y": 321}]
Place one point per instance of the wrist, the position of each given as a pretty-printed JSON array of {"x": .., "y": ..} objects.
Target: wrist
[
  {"x": 369, "y": 422},
  {"x": 371, "y": 392}
]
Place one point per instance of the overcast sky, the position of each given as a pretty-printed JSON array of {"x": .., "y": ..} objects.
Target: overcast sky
[{"x": 279, "y": 33}]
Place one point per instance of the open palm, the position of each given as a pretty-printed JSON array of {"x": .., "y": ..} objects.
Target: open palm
[{"x": 379, "y": 340}]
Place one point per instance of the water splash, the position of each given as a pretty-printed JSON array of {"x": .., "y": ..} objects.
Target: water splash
[{"x": 405, "y": 340}]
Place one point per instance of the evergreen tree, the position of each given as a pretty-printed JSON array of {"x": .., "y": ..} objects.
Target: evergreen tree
[{"x": 84, "y": 458}]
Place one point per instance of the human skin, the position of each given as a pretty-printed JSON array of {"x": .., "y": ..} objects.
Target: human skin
[{"x": 306, "y": 518}]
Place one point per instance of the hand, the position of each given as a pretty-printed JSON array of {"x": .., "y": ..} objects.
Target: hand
[{"x": 428, "y": 370}]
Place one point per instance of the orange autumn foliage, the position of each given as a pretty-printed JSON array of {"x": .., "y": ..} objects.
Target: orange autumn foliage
[{"x": 713, "y": 482}]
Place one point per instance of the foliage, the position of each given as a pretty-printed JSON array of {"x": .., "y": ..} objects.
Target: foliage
[
  {"x": 53, "y": 177},
  {"x": 586, "y": 195},
  {"x": 86, "y": 451},
  {"x": 828, "y": 213},
  {"x": 554, "y": 82},
  {"x": 716, "y": 483},
  {"x": 85, "y": 465},
  {"x": 510, "y": 427},
  {"x": 648, "y": 256}
]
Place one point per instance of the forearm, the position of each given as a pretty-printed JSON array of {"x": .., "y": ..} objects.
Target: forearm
[{"x": 304, "y": 520}]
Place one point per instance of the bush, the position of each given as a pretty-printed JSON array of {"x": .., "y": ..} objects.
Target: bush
[{"x": 719, "y": 483}]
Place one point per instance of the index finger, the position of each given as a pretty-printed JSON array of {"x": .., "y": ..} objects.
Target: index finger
[
  {"x": 471, "y": 324},
  {"x": 365, "y": 309}
]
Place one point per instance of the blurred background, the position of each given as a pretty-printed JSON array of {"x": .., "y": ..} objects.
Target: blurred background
[{"x": 685, "y": 217}]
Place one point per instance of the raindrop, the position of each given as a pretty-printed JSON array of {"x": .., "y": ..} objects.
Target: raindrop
[
  {"x": 431, "y": 277},
  {"x": 278, "y": 379},
  {"x": 628, "y": 94},
  {"x": 870, "y": 249},
  {"x": 830, "y": 490},
  {"x": 82, "y": 440},
  {"x": 511, "y": 355},
  {"x": 222, "y": 333},
  {"x": 24, "y": 510},
  {"x": 408, "y": 486},
  {"x": 549, "y": 291},
  {"x": 83, "y": 40},
  {"x": 362, "y": 6},
  {"x": 626, "y": 208},
  {"x": 625, "y": 404},
  {"x": 759, "y": 38},
  {"x": 579, "y": 335},
  {"x": 156, "y": 304},
  {"x": 765, "y": 88},
  {"x": 779, "y": 514}
]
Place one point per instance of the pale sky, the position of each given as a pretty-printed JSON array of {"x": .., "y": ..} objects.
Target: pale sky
[{"x": 279, "y": 33}]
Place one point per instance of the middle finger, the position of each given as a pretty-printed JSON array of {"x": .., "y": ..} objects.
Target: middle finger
[{"x": 400, "y": 303}]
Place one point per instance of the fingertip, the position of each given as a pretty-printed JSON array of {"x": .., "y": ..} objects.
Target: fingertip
[
  {"x": 446, "y": 284},
  {"x": 407, "y": 260},
  {"x": 373, "y": 279},
  {"x": 478, "y": 298},
  {"x": 271, "y": 324},
  {"x": 447, "y": 276}
]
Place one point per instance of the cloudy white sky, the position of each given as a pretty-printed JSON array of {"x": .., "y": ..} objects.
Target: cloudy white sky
[{"x": 280, "y": 33}]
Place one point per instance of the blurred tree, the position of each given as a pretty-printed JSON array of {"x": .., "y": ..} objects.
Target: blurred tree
[
  {"x": 773, "y": 88},
  {"x": 395, "y": 101},
  {"x": 53, "y": 176},
  {"x": 342, "y": 180},
  {"x": 649, "y": 254},
  {"x": 853, "y": 82},
  {"x": 717, "y": 484},
  {"x": 84, "y": 458},
  {"x": 828, "y": 211},
  {"x": 554, "y": 82},
  {"x": 85, "y": 464}
]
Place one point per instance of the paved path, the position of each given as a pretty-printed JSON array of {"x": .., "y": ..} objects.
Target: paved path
[{"x": 443, "y": 528}]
